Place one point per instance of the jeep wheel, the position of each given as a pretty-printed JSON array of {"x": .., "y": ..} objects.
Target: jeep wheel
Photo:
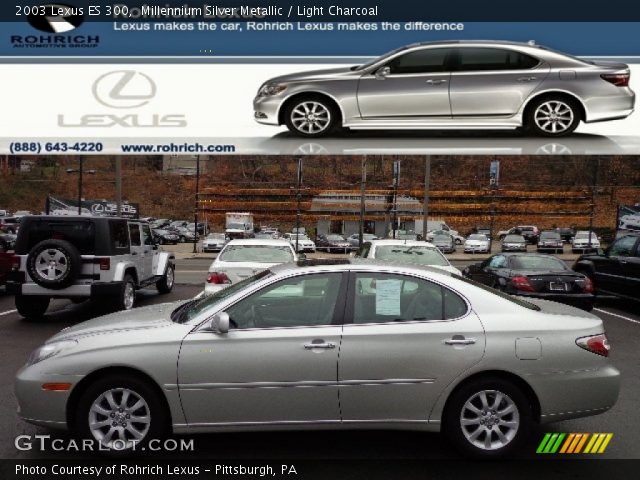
[
  {"x": 32, "y": 307},
  {"x": 54, "y": 264},
  {"x": 127, "y": 297},
  {"x": 165, "y": 284}
]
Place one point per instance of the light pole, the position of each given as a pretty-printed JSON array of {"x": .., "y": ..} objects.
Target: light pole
[
  {"x": 425, "y": 208},
  {"x": 195, "y": 211},
  {"x": 299, "y": 182},
  {"x": 80, "y": 171},
  {"x": 363, "y": 182}
]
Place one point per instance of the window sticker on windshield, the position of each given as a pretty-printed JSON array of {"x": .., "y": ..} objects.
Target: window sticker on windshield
[{"x": 388, "y": 297}]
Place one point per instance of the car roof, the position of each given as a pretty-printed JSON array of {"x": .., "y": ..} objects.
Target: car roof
[
  {"x": 260, "y": 241},
  {"x": 411, "y": 243},
  {"x": 342, "y": 265}
]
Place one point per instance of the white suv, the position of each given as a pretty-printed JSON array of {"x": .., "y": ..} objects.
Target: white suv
[{"x": 85, "y": 257}]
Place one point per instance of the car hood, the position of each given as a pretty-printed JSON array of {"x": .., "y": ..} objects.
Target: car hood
[
  {"x": 325, "y": 74},
  {"x": 153, "y": 316}
]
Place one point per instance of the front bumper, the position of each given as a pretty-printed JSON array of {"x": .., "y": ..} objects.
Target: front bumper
[
  {"x": 266, "y": 109},
  {"x": 43, "y": 407}
]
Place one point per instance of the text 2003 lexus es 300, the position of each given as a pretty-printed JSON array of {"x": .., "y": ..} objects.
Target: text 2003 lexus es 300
[
  {"x": 451, "y": 85},
  {"x": 334, "y": 344}
]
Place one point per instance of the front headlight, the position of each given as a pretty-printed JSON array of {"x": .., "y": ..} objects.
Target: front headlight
[
  {"x": 270, "y": 89},
  {"x": 49, "y": 350}
]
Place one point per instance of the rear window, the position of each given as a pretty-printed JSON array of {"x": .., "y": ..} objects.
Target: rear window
[
  {"x": 257, "y": 254},
  {"x": 80, "y": 233}
]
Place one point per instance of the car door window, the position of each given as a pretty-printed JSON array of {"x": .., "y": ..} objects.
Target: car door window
[
  {"x": 428, "y": 60},
  {"x": 623, "y": 247},
  {"x": 307, "y": 300},
  {"x": 498, "y": 262},
  {"x": 146, "y": 235},
  {"x": 383, "y": 298},
  {"x": 479, "y": 59},
  {"x": 134, "y": 234}
]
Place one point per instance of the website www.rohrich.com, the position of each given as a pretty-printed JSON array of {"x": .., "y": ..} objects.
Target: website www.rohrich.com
[{"x": 178, "y": 148}]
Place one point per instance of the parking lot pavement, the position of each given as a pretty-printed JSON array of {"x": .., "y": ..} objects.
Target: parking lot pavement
[{"x": 18, "y": 337}]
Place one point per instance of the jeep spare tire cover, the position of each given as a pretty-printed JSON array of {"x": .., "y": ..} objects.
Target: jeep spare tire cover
[{"x": 54, "y": 264}]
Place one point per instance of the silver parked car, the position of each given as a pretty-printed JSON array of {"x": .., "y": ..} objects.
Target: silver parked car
[
  {"x": 373, "y": 345},
  {"x": 457, "y": 84}
]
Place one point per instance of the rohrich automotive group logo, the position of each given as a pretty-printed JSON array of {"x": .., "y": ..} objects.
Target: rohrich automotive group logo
[
  {"x": 574, "y": 443},
  {"x": 124, "y": 90},
  {"x": 56, "y": 20}
]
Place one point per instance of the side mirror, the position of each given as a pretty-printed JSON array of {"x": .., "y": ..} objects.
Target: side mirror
[
  {"x": 383, "y": 72},
  {"x": 220, "y": 322}
]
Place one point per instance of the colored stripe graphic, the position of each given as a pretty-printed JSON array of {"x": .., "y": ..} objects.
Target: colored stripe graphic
[{"x": 574, "y": 443}]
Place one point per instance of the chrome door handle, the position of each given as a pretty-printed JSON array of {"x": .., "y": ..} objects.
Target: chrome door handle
[
  {"x": 436, "y": 82},
  {"x": 327, "y": 345},
  {"x": 460, "y": 341},
  {"x": 526, "y": 79}
]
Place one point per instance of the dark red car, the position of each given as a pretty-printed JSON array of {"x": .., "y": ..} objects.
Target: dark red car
[{"x": 6, "y": 255}]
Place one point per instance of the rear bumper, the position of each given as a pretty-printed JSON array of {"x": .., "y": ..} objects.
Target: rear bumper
[
  {"x": 89, "y": 290},
  {"x": 576, "y": 394}
]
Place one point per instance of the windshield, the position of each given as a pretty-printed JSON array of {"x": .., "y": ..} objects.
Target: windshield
[
  {"x": 537, "y": 263},
  {"x": 216, "y": 236},
  {"x": 336, "y": 238},
  {"x": 550, "y": 235},
  {"x": 514, "y": 239},
  {"x": 299, "y": 237},
  {"x": 477, "y": 237},
  {"x": 257, "y": 253},
  {"x": 442, "y": 238},
  {"x": 235, "y": 226},
  {"x": 585, "y": 235},
  {"x": 193, "y": 308},
  {"x": 406, "y": 254}
]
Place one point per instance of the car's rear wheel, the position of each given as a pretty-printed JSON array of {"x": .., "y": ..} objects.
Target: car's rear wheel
[
  {"x": 165, "y": 284},
  {"x": 487, "y": 418},
  {"x": 553, "y": 116},
  {"x": 32, "y": 307},
  {"x": 121, "y": 413},
  {"x": 311, "y": 116}
]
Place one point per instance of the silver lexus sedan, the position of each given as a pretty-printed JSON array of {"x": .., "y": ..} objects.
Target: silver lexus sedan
[
  {"x": 451, "y": 85},
  {"x": 326, "y": 344}
]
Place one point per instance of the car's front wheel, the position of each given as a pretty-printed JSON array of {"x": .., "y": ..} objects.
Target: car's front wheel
[
  {"x": 553, "y": 116},
  {"x": 487, "y": 418},
  {"x": 311, "y": 116},
  {"x": 122, "y": 413}
]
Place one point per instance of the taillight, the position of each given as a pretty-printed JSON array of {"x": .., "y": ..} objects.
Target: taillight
[
  {"x": 105, "y": 263},
  {"x": 598, "y": 344},
  {"x": 618, "y": 79},
  {"x": 588, "y": 285},
  {"x": 522, "y": 284},
  {"x": 15, "y": 263},
  {"x": 218, "y": 278}
]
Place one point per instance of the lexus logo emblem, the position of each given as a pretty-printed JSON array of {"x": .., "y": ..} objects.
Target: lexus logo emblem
[
  {"x": 124, "y": 89},
  {"x": 57, "y": 18}
]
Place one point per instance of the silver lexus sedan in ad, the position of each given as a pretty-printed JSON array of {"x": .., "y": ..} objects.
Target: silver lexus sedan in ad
[
  {"x": 451, "y": 85},
  {"x": 326, "y": 344}
]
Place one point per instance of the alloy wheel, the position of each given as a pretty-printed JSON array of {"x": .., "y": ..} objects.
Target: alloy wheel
[
  {"x": 119, "y": 418},
  {"x": 51, "y": 264},
  {"x": 311, "y": 117},
  {"x": 129, "y": 296},
  {"x": 490, "y": 420},
  {"x": 170, "y": 277},
  {"x": 553, "y": 116}
]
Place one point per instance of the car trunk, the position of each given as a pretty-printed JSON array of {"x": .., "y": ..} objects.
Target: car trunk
[
  {"x": 238, "y": 271},
  {"x": 554, "y": 282}
]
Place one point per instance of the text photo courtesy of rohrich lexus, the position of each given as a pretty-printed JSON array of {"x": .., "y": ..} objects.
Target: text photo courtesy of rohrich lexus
[{"x": 380, "y": 307}]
